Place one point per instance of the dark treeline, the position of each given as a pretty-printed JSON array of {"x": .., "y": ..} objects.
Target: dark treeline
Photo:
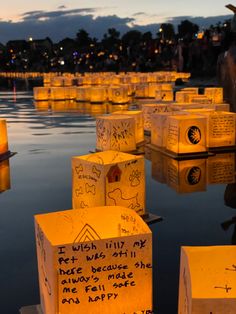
[{"x": 187, "y": 50}]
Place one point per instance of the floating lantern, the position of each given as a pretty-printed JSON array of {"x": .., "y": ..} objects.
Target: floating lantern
[
  {"x": 186, "y": 134},
  {"x": 119, "y": 95},
  {"x": 215, "y": 94},
  {"x": 221, "y": 107},
  {"x": 138, "y": 117},
  {"x": 115, "y": 132},
  {"x": 57, "y": 93},
  {"x": 149, "y": 109},
  {"x": 83, "y": 93},
  {"x": 207, "y": 282},
  {"x": 109, "y": 178},
  {"x": 199, "y": 99},
  {"x": 96, "y": 260},
  {"x": 5, "y": 182},
  {"x": 186, "y": 176},
  {"x": 221, "y": 169},
  {"x": 184, "y": 96},
  {"x": 141, "y": 91},
  {"x": 220, "y": 128},
  {"x": 98, "y": 95},
  {"x": 3, "y": 137},
  {"x": 164, "y": 95},
  {"x": 41, "y": 93},
  {"x": 70, "y": 92},
  {"x": 57, "y": 81}
]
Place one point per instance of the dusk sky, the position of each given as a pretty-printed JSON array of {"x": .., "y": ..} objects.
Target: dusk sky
[{"x": 21, "y": 19}]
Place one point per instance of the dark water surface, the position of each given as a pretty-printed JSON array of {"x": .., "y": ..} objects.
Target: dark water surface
[{"x": 40, "y": 177}]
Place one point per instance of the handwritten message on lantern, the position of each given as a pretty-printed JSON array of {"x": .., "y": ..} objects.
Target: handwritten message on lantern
[
  {"x": 101, "y": 261},
  {"x": 207, "y": 282}
]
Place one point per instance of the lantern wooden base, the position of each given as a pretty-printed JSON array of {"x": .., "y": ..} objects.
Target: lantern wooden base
[
  {"x": 31, "y": 309},
  {"x": 150, "y": 218},
  {"x": 6, "y": 155},
  {"x": 181, "y": 156}
]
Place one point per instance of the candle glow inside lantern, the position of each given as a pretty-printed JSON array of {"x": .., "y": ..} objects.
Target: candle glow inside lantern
[
  {"x": 109, "y": 178},
  {"x": 57, "y": 93},
  {"x": 98, "y": 94},
  {"x": 186, "y": 134},
  {"x": 119, "y": 95},
  {"x": 41, "y": 93},
  {"x": 138, "y": 117},
  {"x": 207, "y": 281},
  {"x": 83, "y": 93},
  {"x": 96, "y": 260},
  {"x": 115, "y": 132},
  {"x": 3, "y": 137}
]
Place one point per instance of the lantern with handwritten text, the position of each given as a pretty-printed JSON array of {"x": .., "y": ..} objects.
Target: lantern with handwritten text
[
  {"x": 150, "y": 109},
  {"x": 115, "y": 132},
  {"x": 207, "y": 280},
  {"x": 109, "y": 178},
  {"x": 215, "y": 94},
  {"x": 96, "y": 260},
  {"x": 3, "y": 137}
]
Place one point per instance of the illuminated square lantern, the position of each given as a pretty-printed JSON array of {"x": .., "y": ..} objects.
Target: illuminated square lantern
[
  {"x": 57, "y": 93},
  {"x": 221, "y": 169},
  {"x": 159, "y": 123},
  {"x": 83, "y": 93},
  {"x": 186, "y": 134},
  {"x": 67, "y": 81},
  {"x": 96, "y": 260},
  {"x": 119, "y": 95},
  {"x": 5, "y": 181},
  {"x": 220, "y": 128},
  {"x": 98, "y": 95},
  {"x": 199, "y": 99},
  {"x": 186, "y": 176},
  {"x": 141, "y": 91},
  {"x": 3, "y": 137},
  {"x": 41, "y": 93},
  {"x": 109, "y": 178},
  {"x": 207, "y": 281},
  {"x": 57, "y": 81},
  {"x": 138, "y": 117},
  {"x": 215, "y": 94},
  {"x": 149, "y": 109},
  {"x": 115, "y": 132},
  {"x": 184, "y": 96},
  {"x": 70, "y": 92},
  {"x": 221, "y": 107},
  {"x": 164, "y": 95}
]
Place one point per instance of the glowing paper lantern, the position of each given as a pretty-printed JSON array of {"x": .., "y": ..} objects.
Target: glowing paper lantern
[
  {"x": 184, "y": 96},
  {"x": 83, "y": 93},
  {"x": 186, "y": 176},
  {"x": 115, "y": 132},
  {"x": 119, "y": 95},
  {"x": 221, "y": 169},
  {"x": 138, "y": 118},
  {"x": 141, "y": 91},
  {"x": 220, "y": 128},
  {"x": 199, "y": 99},
  {"x": 164, "y": 95},
  {"x": 215, "y": 94},
  {"x": 3, "y": 137},
  {"x": 186, "y": 134},
  {"x": 5, "y": 182},
  {"x": 57, "y": 81},
  {"x": 98, "y": 95},
  {"x": 207, "y": 280},
  {"x": 70, "y": 92},
  {"x": 57, "y": 93},
  {"x": 41, "y": 93},
  {"x": 149, "y": 109},
  {"x": 96, "y": 260},
  {"x": 221, "y": 107},
  {"x": 109, "y": 178}
]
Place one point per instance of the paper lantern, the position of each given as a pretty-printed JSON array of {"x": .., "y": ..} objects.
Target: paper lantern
[
  {"x": 96, "y": 260},
  {"x": 184, "y": 96},
  {"x": 221, "y": 169},
  {"x": 57, "y": 93},
  {"x": 57, "y": 81},
  {"x": 83, "y": 93},
  {"x": 199, "y": 99},
  {"x": 207, "y": 280},
  {"x": 141, "y": 91},
  {"x": 70, "y": 92},
  {"x": 138, "y": 118},
  {"x": 98, "y": 95},
  {"x": 3, "y": 137},
  {"x": 186, "y": 134},
  {"x": 115, "y": 132},
  {"x": 220, "y": 128},
  {"x": 41, "y": 93},
  {"x": 109, "y": 178},
  {"x": 164, "y": 95},
  {"x": 186, "y": 176},
  {"x": 159, "y": 124},
  {"x": 221, "y": 107},
  {"x": 5, "y": 182},
  {"x": 119, "y": 95},
  {"x": 149, "y": 109},
  {"x": 215, "y": 94},
  {"x": 67, "y": 81}
]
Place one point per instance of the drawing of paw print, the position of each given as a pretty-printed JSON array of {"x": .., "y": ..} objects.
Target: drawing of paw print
[{"x": 134, "y": 178}]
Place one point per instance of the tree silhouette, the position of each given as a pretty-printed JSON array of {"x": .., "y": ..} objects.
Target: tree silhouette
[{"x": 187, "y": 29}]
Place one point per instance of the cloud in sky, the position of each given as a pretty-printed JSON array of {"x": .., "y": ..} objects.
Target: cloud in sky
[{"x": 63, "y": 23}]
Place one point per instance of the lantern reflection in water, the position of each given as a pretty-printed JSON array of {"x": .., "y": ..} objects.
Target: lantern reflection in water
[
  {"x": 5, "y": 181},
  {"x": 207, "y": 282},
  {"x": 109, "y": 178},
  {"x": 3, "y": 137}
]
